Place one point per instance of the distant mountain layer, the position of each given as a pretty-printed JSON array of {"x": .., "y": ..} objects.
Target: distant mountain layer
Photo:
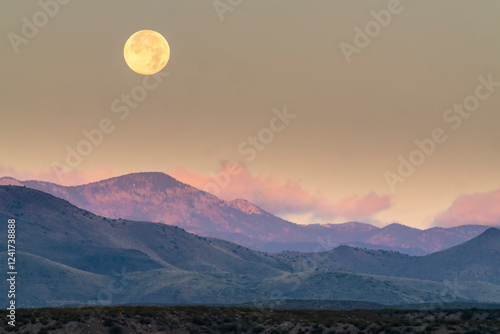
[
  {"x": 475, "y": 260},
  {"x": 66, "y": 255},
  {"x": 158, "y": 197}
]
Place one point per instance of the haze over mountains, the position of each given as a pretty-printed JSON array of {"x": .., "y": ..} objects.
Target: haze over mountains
[
  {"x": 67, "y": 255},
  {"x": 158, "y": 197}
]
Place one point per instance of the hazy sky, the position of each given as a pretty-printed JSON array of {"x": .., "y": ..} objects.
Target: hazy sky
[{"x": 350, "y": 118}]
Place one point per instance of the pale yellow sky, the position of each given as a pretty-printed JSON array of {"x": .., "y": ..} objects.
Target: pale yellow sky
[{"x": 225, "y": 77}]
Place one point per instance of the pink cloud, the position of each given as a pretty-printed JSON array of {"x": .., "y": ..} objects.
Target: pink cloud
[
  {"x": 362, "y": 206},
  {"x": 477, "y": 208},
  {"x": 280, "y": 196}
]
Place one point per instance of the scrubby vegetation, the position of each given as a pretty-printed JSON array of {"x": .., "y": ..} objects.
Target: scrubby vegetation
[{"x": 202, "y": 319}]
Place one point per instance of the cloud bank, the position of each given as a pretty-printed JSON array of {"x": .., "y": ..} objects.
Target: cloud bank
[
  {"x": 281, "y": 197},
  {"x": 478, "y": 208}
]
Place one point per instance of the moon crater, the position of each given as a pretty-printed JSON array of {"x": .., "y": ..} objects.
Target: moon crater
[{"x": 146, "y": 52}]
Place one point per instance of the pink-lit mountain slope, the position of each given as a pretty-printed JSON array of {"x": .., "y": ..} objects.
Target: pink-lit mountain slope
[{"x": 160, "y": 198}]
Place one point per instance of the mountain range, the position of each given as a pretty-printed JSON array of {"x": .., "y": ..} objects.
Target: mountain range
[
  {"x": 475, "y": 260},
  {"x": 158, "y": 197},
  {"x": 69, "y": 256}
]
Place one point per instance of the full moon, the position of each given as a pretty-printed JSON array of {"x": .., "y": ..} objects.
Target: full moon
[{"x": 146, "y": 52}]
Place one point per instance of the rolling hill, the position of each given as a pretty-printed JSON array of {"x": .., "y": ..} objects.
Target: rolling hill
[
  {"x": 475, "y": 260},
  {"x": 69, "y": 256}
]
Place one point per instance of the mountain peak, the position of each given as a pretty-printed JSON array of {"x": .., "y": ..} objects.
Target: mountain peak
[
  {"x": 9, "y": 181},
  {"x": 491, "y": 233},
  {"x": 353, "y": 225},
  {"x": 152, "y": 180},
  {"x": 399, "y": 226},
  {"x": 246, "y": 207},
  {"x": 488, "y": 240},
  {"x": 143, "y": 176}
]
